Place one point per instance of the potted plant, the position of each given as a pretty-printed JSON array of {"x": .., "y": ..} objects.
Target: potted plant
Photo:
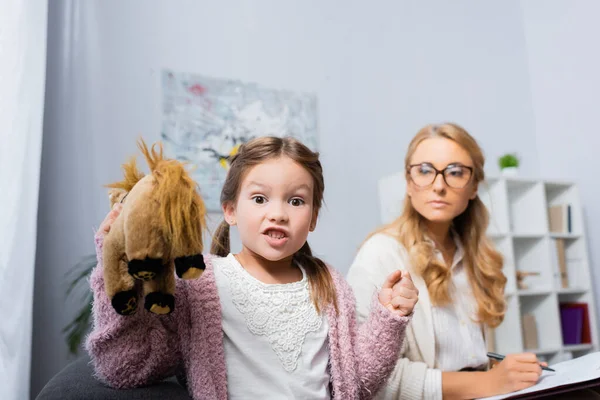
[{"x": 509, "y": 164}]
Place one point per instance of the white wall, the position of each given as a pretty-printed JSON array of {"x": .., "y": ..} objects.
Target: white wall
[
  {"x": 564, "y": 69},
  {"x": 378, "y": 79},
  {"x": 380, "y": 71},
  {"x": 425, "y": 62}
]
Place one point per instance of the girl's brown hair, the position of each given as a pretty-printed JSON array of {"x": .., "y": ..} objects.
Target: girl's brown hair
[
  {"x": 482, "y": 262},
  {"x": 257, "y": 151}
]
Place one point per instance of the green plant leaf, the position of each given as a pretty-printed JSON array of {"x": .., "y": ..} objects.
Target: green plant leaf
[
  {"x": 508, "y": 160},
  {"x": 82, "y": 269},
  {"x": 78, "y": 327}
]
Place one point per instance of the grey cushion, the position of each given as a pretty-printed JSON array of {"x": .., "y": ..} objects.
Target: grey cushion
[{"x": 76, "y": 382}]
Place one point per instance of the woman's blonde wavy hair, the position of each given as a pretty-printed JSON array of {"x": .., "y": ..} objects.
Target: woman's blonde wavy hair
[{"x": 482, "y": 262}]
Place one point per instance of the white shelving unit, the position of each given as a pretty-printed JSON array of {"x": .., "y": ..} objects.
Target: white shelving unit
[{"x": 519, "y": 226}]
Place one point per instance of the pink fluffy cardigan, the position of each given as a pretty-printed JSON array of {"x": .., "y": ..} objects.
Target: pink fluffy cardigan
[{"x": 136, "y": 350}]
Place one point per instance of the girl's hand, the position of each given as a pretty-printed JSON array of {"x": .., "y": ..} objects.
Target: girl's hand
[
  {"x": 399, "y": 294},
  {"x": 110, "y": 218},
  {"x": 515, "y": 372}
]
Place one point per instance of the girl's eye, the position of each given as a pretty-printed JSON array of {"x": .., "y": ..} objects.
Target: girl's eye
[
  {"x": 259, "y": 199},
  {"x": 296, "y": 202}
]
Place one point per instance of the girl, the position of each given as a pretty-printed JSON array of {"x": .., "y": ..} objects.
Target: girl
[
  {"x": 272, "y": 321},
  {"x": 440, "y": 238}
]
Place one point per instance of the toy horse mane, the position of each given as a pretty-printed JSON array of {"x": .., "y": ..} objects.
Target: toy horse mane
[
  {"x": 132, "y": 176},
  {"x": 181, "y": 207}
]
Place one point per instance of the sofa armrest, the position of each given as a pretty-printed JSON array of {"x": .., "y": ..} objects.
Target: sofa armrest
[{"x": 76, "y": 382}]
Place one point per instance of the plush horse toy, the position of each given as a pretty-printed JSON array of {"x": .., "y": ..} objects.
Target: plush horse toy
[{"x": 158, "y": 232}]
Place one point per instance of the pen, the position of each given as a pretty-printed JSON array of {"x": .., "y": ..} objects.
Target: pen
[{"x": 500, "y": 357}]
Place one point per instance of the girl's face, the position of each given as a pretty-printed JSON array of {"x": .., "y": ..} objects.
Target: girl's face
[
  {"x": 274, "y": 211},
  {"x": 437, "y": 199}
]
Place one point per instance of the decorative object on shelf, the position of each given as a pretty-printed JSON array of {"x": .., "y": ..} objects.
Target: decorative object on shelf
[
  {"x": 530, "y": 333},
  {"x": 561, "y": 262},
  {"x": 521, "y": 275},
  {"x": 560, "y": 218},
  {"x": 509, "y": 164}
]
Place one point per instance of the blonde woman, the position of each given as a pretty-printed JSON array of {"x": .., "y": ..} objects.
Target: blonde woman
[{"x": 440, "y": 239}]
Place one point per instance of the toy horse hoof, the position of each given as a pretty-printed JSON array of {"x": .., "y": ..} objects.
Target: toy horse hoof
[
  {"x": 145, "y": 270},
  {"x": 159, "y": 303},
  {"x": 125, "y": 303},
  {"x": 190, "y": 267}
]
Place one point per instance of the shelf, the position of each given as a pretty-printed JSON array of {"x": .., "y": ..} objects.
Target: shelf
[
  {"x": 504, "y": 246},
  {"x": 558, "y": 185},
  {"x": 517, "y": 235},
  {"x": 534, "y": 292},
  {"x": 572, "y": 291},
  {"x": 532, "y": 255},
  {"x": 565, "y": 193},
  {"x": 527, "y": 215},
  {"x": 545, "y": 291},
  {"x": 533, "y": 235},
  {"x": 517, "y": 182},
  {"x": 506, "y": 341},
  {"x": 493, "y": 195},
  {"x": 544, "y": 308},
  {"x": 578, "y": 347},
  {"x": 554, "y": 235},
  {"x": 520, "y": 230},
  {"x": 497, "y": 235},
  {"x": 576, "y": 262},
  {"x": 548, "y": 350}
]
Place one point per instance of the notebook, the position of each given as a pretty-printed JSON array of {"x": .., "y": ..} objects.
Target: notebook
[{"x": 570, "y": 375}]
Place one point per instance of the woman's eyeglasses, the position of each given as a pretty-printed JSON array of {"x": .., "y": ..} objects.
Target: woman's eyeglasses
[{"x": 456, "y": 176}]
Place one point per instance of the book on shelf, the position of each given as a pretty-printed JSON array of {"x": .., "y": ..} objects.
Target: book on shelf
[
  {"x": 560, "y": 260},
  {"x": 560, "y": 218},
  {"x": 571, "y": 321},
  {"x": 575, "y": 323},
  {"x": 530, "y": 333}
]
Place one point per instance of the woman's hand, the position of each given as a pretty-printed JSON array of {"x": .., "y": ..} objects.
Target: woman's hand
[
  {"x": 515, "y": 372},
  {"x": 399, "y": 294},
  {"x": 110, "y": 218}
]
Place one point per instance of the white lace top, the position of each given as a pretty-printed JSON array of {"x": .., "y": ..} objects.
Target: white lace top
[{"x": 275, "y": 342}]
